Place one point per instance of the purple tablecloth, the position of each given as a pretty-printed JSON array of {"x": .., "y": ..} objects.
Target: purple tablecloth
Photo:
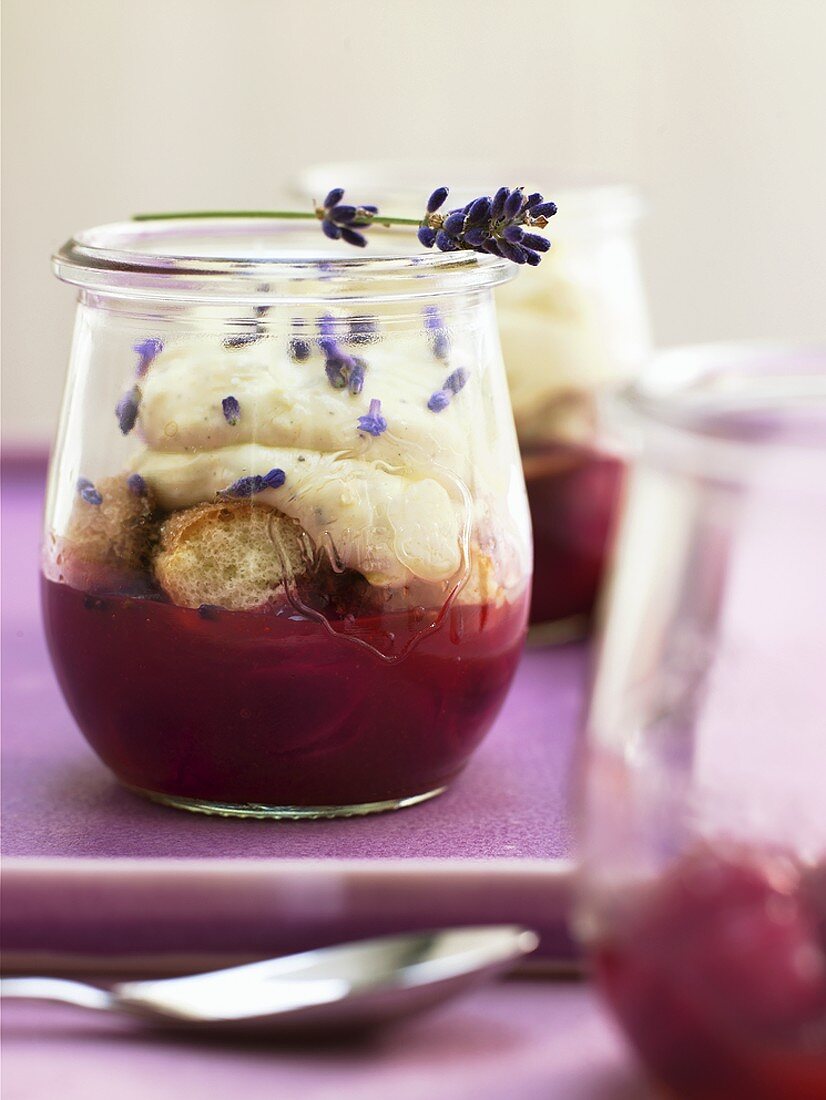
[
  {"x": 517, "y": 1040},
  {"x": 88, "y": 861},
  {"x": 85, "y": 859},
  {"x": 61, "y": 802}
]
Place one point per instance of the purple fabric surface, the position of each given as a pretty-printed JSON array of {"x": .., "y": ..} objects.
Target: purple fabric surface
[
  {"x": 59, "y": 801},
  {"x": 499, "y": 836},
  {"x": 523, "y": 1040},
  {"x": 518, "y": 1040}
]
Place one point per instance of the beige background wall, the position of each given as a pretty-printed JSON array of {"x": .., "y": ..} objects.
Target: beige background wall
[{"x": 716, "y": 107}]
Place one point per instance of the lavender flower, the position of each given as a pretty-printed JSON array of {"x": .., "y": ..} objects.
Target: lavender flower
[
  {"x": 256, "y": 483},
  {"x": 262, "y": 310},
  {"x": 456, "y": 381},
  {"x": 327, "y": 334},
  {"x": 363, "y": 330},
  {"x": 146, "y": 350},
  {"x": 438, "y": 401},
  {"x": 337, "y": 369},
  {"x": 356, "y": 379},
  {"x": 242, "y": 339},
  {"x": 231, "y": 410},
  {"x": 343, "y": 370},
  {"x": 208, "y": 611},
  {"x": 434, "y": 324},
  {"x": 126, "y": 410},
  {"x": 437, "y": 199},
  {"x": 299, "y": 346},
  {"x": 339, "y": 220},
  {"x": 494, "y": 225},
  {"x": 299, "y": 349},
  {"x": 452, "y": 384},
  {"x": 373, "y": 422},
  {"x": 136, "y": 485},
  {"x": 88, "y": 492}
]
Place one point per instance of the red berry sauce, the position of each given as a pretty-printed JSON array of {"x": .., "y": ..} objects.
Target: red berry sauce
[
  {"x": 718, "y": 976},
  {"x": 280, "y": 708},
  {"x": 573, "y": 494}
]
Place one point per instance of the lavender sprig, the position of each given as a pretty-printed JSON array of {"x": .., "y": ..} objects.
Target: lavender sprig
[
  {"x": 373, "y": 422},
  {"x": 255, "y": 483},
  {"x": 494, "y": 225},
  {"x": 500, "y": 225}
]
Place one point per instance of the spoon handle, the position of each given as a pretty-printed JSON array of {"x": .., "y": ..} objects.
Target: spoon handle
[{"x": 56, "y": 989}]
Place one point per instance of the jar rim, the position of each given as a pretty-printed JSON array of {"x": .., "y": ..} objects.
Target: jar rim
[
  {"x": 234, "y": 258},
  {"x": 718, "y": 407}
]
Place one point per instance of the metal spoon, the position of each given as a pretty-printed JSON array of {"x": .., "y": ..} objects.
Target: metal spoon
[{"x": 353, "y": 985}]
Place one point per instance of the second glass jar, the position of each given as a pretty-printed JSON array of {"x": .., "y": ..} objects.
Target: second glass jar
[{"x": 571, "y": 329}]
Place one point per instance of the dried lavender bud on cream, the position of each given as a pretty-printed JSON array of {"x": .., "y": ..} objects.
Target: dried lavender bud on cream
[
  {"x": 231, "y": 410},
  {"x": 287, "y": 404},
  {"x": 367, "y": 466}
]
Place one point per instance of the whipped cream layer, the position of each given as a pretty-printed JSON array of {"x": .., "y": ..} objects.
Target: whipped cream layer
[
  {"x": 397, "y": 506},
  {"x": 388, "y": 526},
  {"x": 289, "y": 404}
]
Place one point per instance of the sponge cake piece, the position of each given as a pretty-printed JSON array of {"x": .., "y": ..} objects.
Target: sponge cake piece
[
  {"x": 118, "y": 531},
  {"x": 234, "y": 555}
]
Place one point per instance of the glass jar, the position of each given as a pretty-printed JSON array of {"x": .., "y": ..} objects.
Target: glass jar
[
  {"x": 287, "y": 545},
  {"x": 703, "y": 894},
  {"x": 571, "y": 329}
]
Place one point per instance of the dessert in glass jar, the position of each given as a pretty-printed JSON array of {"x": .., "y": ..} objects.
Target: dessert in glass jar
[
  {"x": 572, "y": 329},
  {"x": 703, "y": 892},
  {"x": 287, "y": 546}
]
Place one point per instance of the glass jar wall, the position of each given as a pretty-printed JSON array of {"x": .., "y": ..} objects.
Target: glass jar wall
[
  {"x": 703, "y": 894},
  {"x": 287, "y": 549}
]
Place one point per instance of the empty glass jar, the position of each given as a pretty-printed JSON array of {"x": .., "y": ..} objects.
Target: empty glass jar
[{"x": 704, "y": 838}]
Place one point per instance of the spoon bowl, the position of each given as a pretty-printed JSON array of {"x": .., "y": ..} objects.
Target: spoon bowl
[{"x": 348, "y": 986}]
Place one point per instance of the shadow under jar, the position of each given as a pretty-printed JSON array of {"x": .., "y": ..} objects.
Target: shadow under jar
[
  {"x": 287, "y": 548},
  {"x": 571, "y": 329},
  {"x": 703, "y": 897}
]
